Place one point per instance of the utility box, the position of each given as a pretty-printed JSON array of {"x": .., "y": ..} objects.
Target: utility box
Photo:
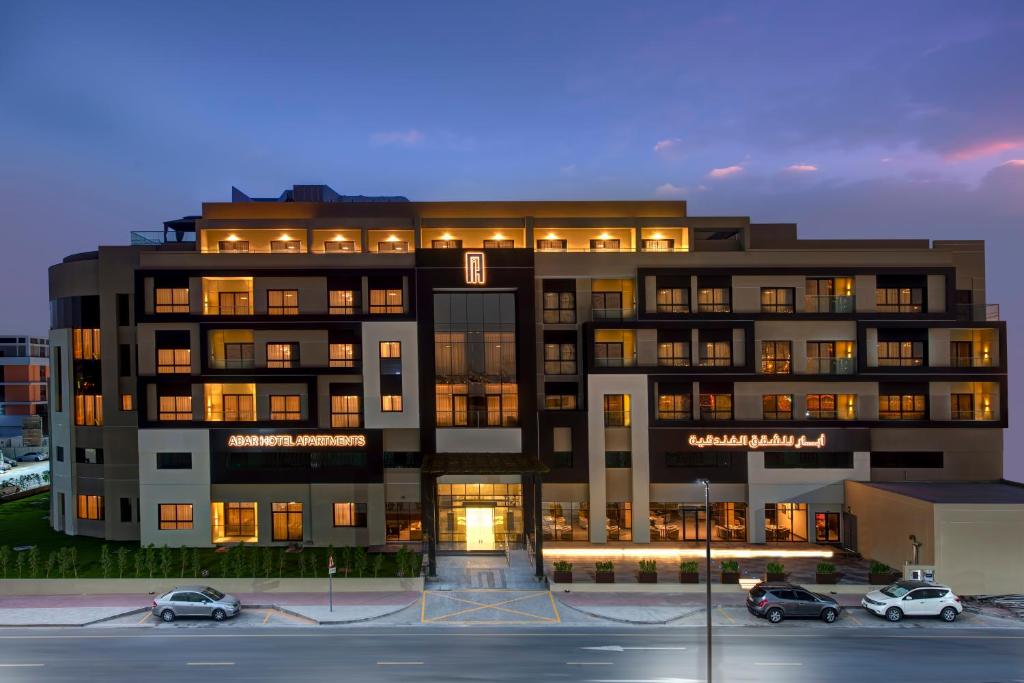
[{"x": 919, "y": 572}]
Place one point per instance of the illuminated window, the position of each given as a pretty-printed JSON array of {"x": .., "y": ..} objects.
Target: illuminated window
[
  {"x": 343, "y": 355},
  {"x": 391, "y": 349},
  {"x": 714, "y": 300},
  {"x": 90, "y": 507},
  {"x": 127, "y": 404},
  {"x": 391, "y": 403},
  {"x": 821, "y": 406},
  {"x": 902, "y": 406},
  {"x": 675, "y": 405},
  {"x": 393, "y": 245},
  {"x": 777, "y": 407},
  {"x": 350, "y": 514},
  {"x": 238, "y": 408},
  {"x": 345, "y": 411},
  {"x": 173, "y": 361},
  {"x": 560, "y": 401},
  {"x": 551, "y": 245},
  {"x": 961, "y": 406},
  {"x": 89, "y": 410},
  {"x": 174, "y": 516},
  {"x": 173, "y": 408},
  {"x": 560, "y": 307},
  {"x": 285, "y": 246},
  {"x": 446, "y": 244},
  {"x": 778, "y": 300},
  {"x": 170, "y": 300},
  {"x": 776, "y": 357},
  {"x": 339, "y": 245},
  {"x": 282, "y": 301},
  {"x": 899, "y": 299},
  {"x": 716, "y": 354},
  {"x": 238, "y": 246},
  {"x": 616, "y": 410},
  {"x": 282, "y": 355},
  {"x": 85, "y": 344},
  {"x": 901, "y": 353},
  {"x": 715, "y": 406},
  {"x": 560, "y": 359},
  {"x": 657, "y": 244},
  {"x": 499, "y": 244},
  {"x": 386, "y": 301},
  {"x": 342, "y": 301},
  {"x": 286, "y": 521},
  {"x": 232, "y": 303},
  {"x": 672, "y": 300},
  {"x": 604, "y": 245},
  {"x": 286, "y": 407},
  {"x": 674, "y": 354},
  {"x": 452, "y": 401}
]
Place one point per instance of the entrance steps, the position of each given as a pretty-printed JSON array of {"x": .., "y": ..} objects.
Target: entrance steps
[{"x": 474, "y": 571}]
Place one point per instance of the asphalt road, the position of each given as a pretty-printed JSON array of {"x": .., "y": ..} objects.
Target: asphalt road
[{"x": 660, "y": 655}]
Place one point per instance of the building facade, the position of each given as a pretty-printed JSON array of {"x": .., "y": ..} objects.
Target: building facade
[
  {"x": 332, "y": 370},
  {"x": 24, "y": 368}
]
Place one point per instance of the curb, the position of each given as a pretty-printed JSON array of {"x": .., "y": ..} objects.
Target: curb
[
  {"x": 137, "y": 610},
  {"x": 336, "y": 622},
  {"x": 650, "y": 622}
]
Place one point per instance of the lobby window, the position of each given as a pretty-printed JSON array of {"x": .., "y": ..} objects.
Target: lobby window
[
  {"x": 282, "y": 302},
  {"x": 403, "y": 522},
  {"x": 616, "y": 410},
  {"x": 778, "y": 300},
  {"x": 672, "y": 300},
  {"x": 716, "y": 354},
  {"x": 386, "y": 301},
  {"x": 172, "y": 408},
  {"x": 559, "y": 302},
  {"x": 233, "y": 521},
  {"x": 286, "y": 521},
  {"x": 560, "y": 359},
  {"x": 90, "y": 507},
  {"x": 174, "y": 461},
  {"x": 85, "y": 344},
  {"x": 619, "y": 521},
  {"x": 566, "y": 520},
  {"x": 170, "y": 300},
  {"x": 777, "y": 407},
  {"x": 901, "y": 354},
  {"x": 391, "y": 403},
  {"x": 899, "y": 299},
  {"x": 342, "y": 302},
  {"x": 173, "y": 361},
  {"x": 286, "y": 407},
  {"x": 829, "y": 295},
  {"x": 675, "y": 402},
  {"x": 776, "y": 357},
  {"x": 715, "y": 405},
  {"x": 127, "y": 403},
  {"x": 282, "y": 355},
  {"x": 343, "y": 355},
  {"x": 785, "y": 522},
  {"x": 902, "y": 406},
  {"x": 89, "y": 410},
  {"x": 345, "y": 412},
  {"x": 350, "y": 514},
  {"x": 714, "y": 300},
  {"x": 674, "y": 354},
  {"x": 174, "y": 516}
]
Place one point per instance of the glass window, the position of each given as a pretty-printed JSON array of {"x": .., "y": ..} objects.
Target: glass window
[
  {"x": 961, "y": 406},
  {"x": 170, "y": 300},
  {"x": 714, "y": 300},
  {"x": 233, "y": 520},
  {"x": 616, "y": 410},
  {"x": 716, "y": 354},
  {"x": 785, "y": 522},
  {"x": 345, "y": 411},
  {"x": 776, "y": 357},
  {"x": 391, "y": 349},
  {"x": 282, "y": 301},
  {"x": 715, "y": 406},
  {"x": 127, "y": 403},
  {"x": 350, "y": 514},
  {"x": 560, "y": 401},
  {"x": 282, "y": 355},
  {"x": 174, "y": 408},
  {"x": 560, "y": 359},
  {"x": 672, "y": 300},
  {"x": 286, "y": 521},
  {"x": 619, "y": 521},
  {"x": 285, "y": 246},
  {"x": 173, "y": 361},
  {"x": 777, "y": 300},
  {"x": 235, "y": 245},
  {"x": 901, "y": 353},
  {"x": 174, "y": 516},
  {"x": 777, "y": 407},
  {"x": 386, "y": 301},
  {"x": 559, "y": 307},
  {"x": 675, "y": 406},
  {"x": 902, "y": 406},
  {"x": 286, "y": 407},
  {"x": 342, "y": 301},
  {"x": 343, "y": 355},
  {"x": 674, "y": 354},
  {"x": 238, "y": 408},
  {"x": 566, "y": 521},
  {"x": 899, "y": 299},
  {"x": 551, "y": 245},
  {"x": 174, "y": 461},
  {"x": 403, "y": 522},
  {"x": 604, "y": 245},
  {"x": 90, "y": 507},
  {"x": 89, "y": 410},
  {"x": 85, "y": 344},
  {"x": 821, "y": 406},
  {"x": 391, "y": 403}
]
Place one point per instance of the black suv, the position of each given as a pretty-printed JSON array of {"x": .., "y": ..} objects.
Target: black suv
[{"x": 778, "y": 601}]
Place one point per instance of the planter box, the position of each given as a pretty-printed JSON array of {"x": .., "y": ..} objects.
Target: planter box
[
  {"x": 776, "y": 577},
  {"x": 882, "y": 579},
  {"x": 689, "y": 577},
  {"x": 647, "y": 577},
  {"x": 730, "y": 577},
  {"x": 563, "y": 577},
  {"x": 605, "y": 577},
  {"x": 831, "y": 577}
]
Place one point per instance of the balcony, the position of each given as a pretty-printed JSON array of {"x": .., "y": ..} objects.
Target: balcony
[
  {"x": 831, "y": 366},
  {"x": 231, "y": 363},
  {"x": 986, "y": 312},
  {"x": 610, "y": 362},
  {"x": 818, "y": 303},
  {"x": 614, "y": 313},
  {"x": 971, "y": 362},
  {"x": 150, "y": 238}
]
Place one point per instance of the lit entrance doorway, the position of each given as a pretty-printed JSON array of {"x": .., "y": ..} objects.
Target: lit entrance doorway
[{"x": 479, "y": 528}]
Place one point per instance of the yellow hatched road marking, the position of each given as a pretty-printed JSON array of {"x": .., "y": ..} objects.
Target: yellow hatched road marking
[
  {"x": 723, "y": 613},
  {"x": 500, "y": 606},
  {"x": 558, "y": 617}
]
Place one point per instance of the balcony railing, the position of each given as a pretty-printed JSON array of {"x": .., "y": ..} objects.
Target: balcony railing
[
  {"x": 986, "y": 312},
  {"x": 559, "y": 367},
  {"x": 823, "y": 303},
  {"x": 831, "y": 366},
  {"x": 148, "y": 238},
  {"x": 614, "y": 313},
  {"x": 477, "y": 418},
  {"x": 232, "y": 363},
  {"x": 615, "y": 362},
  {"x": 227, "y": 310},
  {"x": 971, "y": 361},
  {"x": 230, "y": 416}
]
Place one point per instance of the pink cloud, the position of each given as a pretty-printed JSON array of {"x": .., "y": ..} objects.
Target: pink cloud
[
  {"x": 404, "y": 138},
  {"x": 802, "y": 168},
  {"x": 725, "y": 172},
  {"x": 669, "y": 190},
  {"x": 667, "y": 145},
  {"x": 984, "y": 149},
  {"x": 1013, "y": 162}
]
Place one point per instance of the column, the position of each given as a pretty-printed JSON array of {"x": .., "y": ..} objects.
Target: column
[
  {"x": 428, "y": 511},
  {"x": 538, "y": 525}
]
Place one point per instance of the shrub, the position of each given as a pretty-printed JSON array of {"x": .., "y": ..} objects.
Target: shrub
[
  {"x": 122, "y": 561},
  {"x": 225, "y": 562},
  {"x": 5, "y": 559},
  {"x": 730, "y": 566},
  {"x": 280, "y": 562},
  {"x": 183, "y": 556},
  {"x": 378, "y": 564},
  {"x": 826, "y": 568},
  {"x": 604, "y": 566},
  {"x": 401, "y": 559},
  {"x": 73, "y": 560},
  {"x": 268, "y": 560},
  {"x": 360, "y": 561},
  {"x": 63, "y": 562},
  {"x": 195, "y": 562},
  {"x": 346, "y": 558},
  {"x": 775, "y": 567},
  {"x": 879, "y": 567},
  {"x": 51, "y": 563},
  {"x": 140, "y": 562},
  {"x": 106, "y": 561},
  {"x": 165, "y": 561},
  {"x": 648, "y": 566},
  {"x": 688, "y": 566},
  {"x": 563, "y": 566},
  {"x": 20, "y": 563},
  {"x": 34, "y": 561}
]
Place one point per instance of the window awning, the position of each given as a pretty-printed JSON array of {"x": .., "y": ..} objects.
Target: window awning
[{"x": 481, "y": 463}]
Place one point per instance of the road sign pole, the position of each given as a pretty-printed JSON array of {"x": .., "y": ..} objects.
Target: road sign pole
[{"x": 331, "y": 569}]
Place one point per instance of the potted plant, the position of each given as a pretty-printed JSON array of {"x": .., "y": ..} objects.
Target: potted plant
[
  {"x": 880, "y": 574},
  {"x": 648, "y": 572},
  {"x": 730, "y": 571},
  {"x": 605, "y": 572},
  {"x": 563, "y": 572},
  {"x": 776, "y": 571},
  {"x": 688, "y": 572},
  {"x": 826, "y": 573}
]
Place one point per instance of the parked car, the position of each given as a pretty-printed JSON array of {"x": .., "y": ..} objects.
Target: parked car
[
  {"x": 913, "y": 599},
  {"x": 196, "y": 601},
  {"x": 32, "y": 457},
  {"x": 778, "y": 601},
  {"x": 4, "y": 465}
]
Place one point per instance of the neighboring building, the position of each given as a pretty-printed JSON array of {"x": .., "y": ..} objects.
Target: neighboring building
[
  {"x": 336, "y": 370},
  {"x": 24, "y": 368}
]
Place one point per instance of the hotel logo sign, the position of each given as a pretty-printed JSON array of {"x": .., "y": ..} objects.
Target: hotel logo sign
[
  {"x": 476, "y": 268},
  {"x": 296, "y": 441},
  {"x": 756, "y": 442}
]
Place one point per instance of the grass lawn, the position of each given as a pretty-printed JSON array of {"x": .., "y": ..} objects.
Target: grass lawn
[{"x": 24, "y": 522}]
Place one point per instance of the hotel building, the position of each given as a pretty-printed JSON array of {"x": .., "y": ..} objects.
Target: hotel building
[
  {"x": 24, "y": 364},
  {"x": 338, "y": 370}
]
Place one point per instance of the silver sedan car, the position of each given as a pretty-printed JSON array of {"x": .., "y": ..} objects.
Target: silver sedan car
[{"x": 196, "y": 601}]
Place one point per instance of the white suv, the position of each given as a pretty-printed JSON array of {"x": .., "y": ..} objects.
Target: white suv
[{"x": 913, "y": 599}]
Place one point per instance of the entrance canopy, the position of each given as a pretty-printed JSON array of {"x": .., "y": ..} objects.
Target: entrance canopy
[{"x": 481, "y": 463}]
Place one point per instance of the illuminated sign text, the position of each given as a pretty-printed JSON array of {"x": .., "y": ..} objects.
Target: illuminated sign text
[
  {"x": 476, "y": 268},
  {"x": 756, "y": 441},
  {"x": 296, "y": 441}
]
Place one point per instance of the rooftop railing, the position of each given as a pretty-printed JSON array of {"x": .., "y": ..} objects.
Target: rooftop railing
[{"x": 146, "y": 238}]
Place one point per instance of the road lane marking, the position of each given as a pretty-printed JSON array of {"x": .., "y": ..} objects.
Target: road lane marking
[
  {"x": 145, "y": 617},
  {"x": 620, "y": 648},
  {"x": 854, "y": 617},
  {"x": 267, "y": 617},
  {"x": 209, "y": 663},
  {"x": 21, "y": 665},
  {"x": 588, "y": 663},
  {"x": 558, "y": 617},
  {"x": 399, "y": 663},
  {"x": 778, "y": 663},
  {"x": 722, "y": 612}
]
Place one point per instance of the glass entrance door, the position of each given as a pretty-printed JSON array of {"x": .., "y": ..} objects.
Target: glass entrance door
[
  {"x": 479, "y": 528},
  {"x": 694, "y": 524},
  {"x": 826, "y": 527}
]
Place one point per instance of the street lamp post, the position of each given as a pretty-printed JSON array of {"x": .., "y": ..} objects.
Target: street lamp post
[{"x": 707, "y": 566}]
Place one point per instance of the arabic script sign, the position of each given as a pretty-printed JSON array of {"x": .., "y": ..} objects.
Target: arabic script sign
[
  {"x": 756, "y": 442},
  {"x": 476, "y": 269},
  {"x": 296, "y": 441}
]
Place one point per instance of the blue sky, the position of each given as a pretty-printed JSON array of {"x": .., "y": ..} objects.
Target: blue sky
[{"x": 871, "y": 118}]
